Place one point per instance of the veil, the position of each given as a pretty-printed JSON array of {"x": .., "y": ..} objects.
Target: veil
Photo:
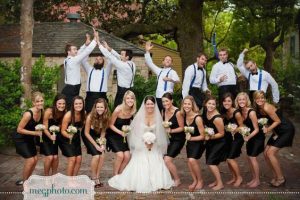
[{"x": 138, "y": 126}]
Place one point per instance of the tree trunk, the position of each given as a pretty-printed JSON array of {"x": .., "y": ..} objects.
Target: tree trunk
[
  {"x": 268, "y": 62},
  {"x": 26, "y": 32},
  {"x": 189, "y": 34}
]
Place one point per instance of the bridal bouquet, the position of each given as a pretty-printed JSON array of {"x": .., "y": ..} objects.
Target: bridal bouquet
[
  {"x": 231, "y": 127},
  {"x": 54, "y": 129},
  {"x": 71, "y": 130},
  {"x": 188, "y": 130},
  {"x": 167, "y": 124},
  {"x": 262, "y": 121},
  {"x": 125, "y": 130},
  {"x": 149, "y": 139},
  {"x": 245, "y": 131},
  {"x": 40, "y": 127}
]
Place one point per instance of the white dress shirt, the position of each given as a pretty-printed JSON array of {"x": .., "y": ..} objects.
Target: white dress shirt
[
  {"x": 218, "y": 70},
  {"x": 162, "y": 86},
  {"x": 254, "y": 79},
  {"x": 96, "y": 78},
  {"x": 72, "y": 64},
  {"x": 125, "y": 70},
  {"x": 199, "y": 82}
]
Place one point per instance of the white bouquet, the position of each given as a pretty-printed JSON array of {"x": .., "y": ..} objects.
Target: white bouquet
[
  {"x": 231, "y": 127},
  {"x": 54, "y": 129},
  {"x": 149, "y": 138},
  {"x": 125, "y": 129},
  {"x": 188, "y": 130},
  {"x": 101, "y": 141},
  {"x": 167, "y": 124},
  {"x": 262, "y": 121},
  {"x": 40, "y": 127},
  {"x": 208, "y": 132},
  {"x": 245, "y": 131},
  {"x": 71, "y": 130}
]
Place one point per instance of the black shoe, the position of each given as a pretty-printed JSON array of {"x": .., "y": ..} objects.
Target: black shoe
[{"x": 20, "y": 182}]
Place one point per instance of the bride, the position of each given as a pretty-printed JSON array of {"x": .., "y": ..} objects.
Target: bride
[{"x": 146, "y": 171}]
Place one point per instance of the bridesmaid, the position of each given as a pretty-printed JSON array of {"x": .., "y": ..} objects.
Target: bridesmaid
[
  {"x": 49, "y": 146},
  {"x": 215, "y": 144},
  {"x": 122, "y": 115},
  {"x": 95, "y": 127},
  {"x": 171, "y": 114},
  {"x": 195, "y": 146},
  {"x": 283, "y": 134},
  {"x": 70, "y": 144},
  {"x": 234, "y": 143},
  {"x": 255, "y": 141},
  {"x": 24, "y": 137}
]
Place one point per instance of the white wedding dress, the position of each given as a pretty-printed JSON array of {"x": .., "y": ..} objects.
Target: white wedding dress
[{"x": 146, "y": 171}]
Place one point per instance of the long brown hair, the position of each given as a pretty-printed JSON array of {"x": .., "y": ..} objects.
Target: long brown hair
[
  {"x": 55, "y": 112},
  {"x": 100, "y": 121},
  {"x": 82, "y": 112}
]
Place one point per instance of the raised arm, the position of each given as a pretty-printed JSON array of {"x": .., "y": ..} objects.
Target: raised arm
[
  {"x": 87, "y": 42},
  {"x": 148, "y": 59},
  {"x": 274, "y": 86},
  {"x": 115, "y": 61},
  {"x": 240, "y": 64},
  {"x": 112, "y": 51}
]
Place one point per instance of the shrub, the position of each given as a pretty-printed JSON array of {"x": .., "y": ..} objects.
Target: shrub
[{"x": 11, "y": 91}]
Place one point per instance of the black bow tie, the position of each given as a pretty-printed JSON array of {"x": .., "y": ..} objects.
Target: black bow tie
[
  {"x": 225, "y": 62},
  {"x": 200, "y": 68},
  {"x": 254, "y": 73}
]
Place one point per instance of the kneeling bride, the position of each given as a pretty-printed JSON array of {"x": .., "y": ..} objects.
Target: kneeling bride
[{"x": 148, "y": 141}]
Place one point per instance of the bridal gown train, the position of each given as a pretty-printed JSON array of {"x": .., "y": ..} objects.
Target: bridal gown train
[{"x": 145, "y": 172}]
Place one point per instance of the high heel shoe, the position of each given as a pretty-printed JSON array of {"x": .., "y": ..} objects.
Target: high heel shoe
[{"x": 279, "y": 183}]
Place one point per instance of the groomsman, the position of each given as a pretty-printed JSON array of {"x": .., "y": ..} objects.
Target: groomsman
[
  {"x": 194, "y": 82},
  {"x": 223, "y": 75},
  {"x": 72, "y": 69},
  {"x": 258, "y": 79},
  {"x": 97, "y": 78},
  {"x": 166, "y": 76},
  {"x": 125, "y": 69}
]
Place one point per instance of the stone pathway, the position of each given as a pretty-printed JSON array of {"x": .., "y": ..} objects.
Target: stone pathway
[{"x": 11, "y": 169}]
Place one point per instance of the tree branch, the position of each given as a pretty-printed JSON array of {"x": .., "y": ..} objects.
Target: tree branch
[
  {"x": 132, "y": 30},
  {"x": 225, "y": 33}
]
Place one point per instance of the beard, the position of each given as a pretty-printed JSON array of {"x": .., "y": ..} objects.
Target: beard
[{"x": 98, "y": 66}]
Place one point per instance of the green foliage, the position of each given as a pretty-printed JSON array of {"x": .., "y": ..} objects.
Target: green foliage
[
  {"x": 11, "y": 91},
  {"x": 44, "y": 78},
  {"x": 143, "y": 87}
]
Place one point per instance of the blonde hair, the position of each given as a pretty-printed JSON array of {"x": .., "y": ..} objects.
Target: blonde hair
[
  {"x": 133, "y": 108},
  {"x": 247, "y": 99},
  {"x": 36, "y": 94},
  {"x": 256, "y": 95},
  {"x": 194, "y": 105}
]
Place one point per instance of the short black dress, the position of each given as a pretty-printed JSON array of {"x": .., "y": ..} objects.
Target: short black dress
[
  {"x": 115, "y": 141},
  {"x": 177, "y": 140},
  {"x": 256, "y": 144},
  {"x": 89, "y": 146},
  {"x": 47, "y": 146},
  {"x": 215, "y": 149},
  {"x": 233, "y": 144},
  {"x": 26, "y": 144},
  {"x": 73, "y": 149},
  {"x": 283, "y": 134},
  {"x": 194, "y": 149}
]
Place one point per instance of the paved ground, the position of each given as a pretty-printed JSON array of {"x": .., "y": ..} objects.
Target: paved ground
[{"x": 11, "y": 169}]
